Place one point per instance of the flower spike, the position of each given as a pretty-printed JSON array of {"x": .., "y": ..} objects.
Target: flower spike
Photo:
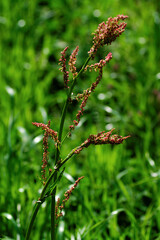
[
  {"x": 101, "y": 138},
  {"x": 58, "y": 207},
  {"x": 107, "y": 32},
  {"x": 45, "y": 154},
  {"x": 72, "y": 62},
  {"x": 62, "y": 62},
  {"x": 47, "y": 129}
]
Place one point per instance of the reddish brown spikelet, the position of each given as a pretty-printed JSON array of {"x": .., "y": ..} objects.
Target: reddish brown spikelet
[
  {"x": 101, "y": 138},
  {"x": 71, "y": 127},
  {"x": 45, "y": 154},
  {"x": 85, "y": 97},
  {"x": 101, "y": 63},
  {"x": 58, "y": 207},
  {"x": 107, "y": 32},
  {"x": 47, "y": 129},
  {"x": 69, "y": 192},
  {"x": 72, "y": 61},
  {"x": 63, "y": 69}
]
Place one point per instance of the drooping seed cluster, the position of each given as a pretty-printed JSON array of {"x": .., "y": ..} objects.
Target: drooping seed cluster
[
  {"x": 58, "y": 207},
  {"x": 45, "y": 154},
  {"x": 107, "y": 32},
  {"x": 72, "y": 62},
  {"x": 48, "y": 132},
  {"x": 58, "y": 214},
  {"x": 86, "y": 93},
  {"x": 51, "y": 133},
  {"x": 63, "y": 69},
  {"x": 101, "y": 63},
  {"x": 101, "y": 138}
]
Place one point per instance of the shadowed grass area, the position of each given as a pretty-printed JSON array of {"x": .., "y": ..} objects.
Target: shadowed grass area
[{"x": 119, "y": 197}]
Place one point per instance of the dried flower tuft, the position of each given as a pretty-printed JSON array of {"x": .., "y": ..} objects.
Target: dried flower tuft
[
  {"x": 58, "y": 207},
  {"x": 62, "y": 62},
  {"x": 107, "y": 32},
  {"x": 101, "y": 138},
  {"x": 85, "y": 95},
  {"x": 45, "y": 153},
  {"x": 101, "y": 63},
  {"x": 48, "y": 132},
  {"x": 72, "y": 62},
  {"x": 47, "y": 129}
]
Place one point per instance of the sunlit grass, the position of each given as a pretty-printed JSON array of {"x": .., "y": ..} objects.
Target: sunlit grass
[{"x": 121, "y": 199}]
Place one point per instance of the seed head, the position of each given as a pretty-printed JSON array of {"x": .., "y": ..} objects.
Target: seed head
[{"x": 107, "y": 32}]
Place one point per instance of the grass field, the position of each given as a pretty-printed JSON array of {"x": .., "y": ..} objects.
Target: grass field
[{"x": 119, "y": 198}]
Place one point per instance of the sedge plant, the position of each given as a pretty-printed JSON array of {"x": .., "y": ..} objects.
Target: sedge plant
[{"x": 106, "y": 33}]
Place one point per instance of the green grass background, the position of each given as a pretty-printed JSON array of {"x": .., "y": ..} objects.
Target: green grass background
[{"x": 119, "y": 198}]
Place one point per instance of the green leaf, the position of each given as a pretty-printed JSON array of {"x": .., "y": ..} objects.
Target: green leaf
[
  {"x": 104, "y": 221},
  {"x": 10, "y": 218}
]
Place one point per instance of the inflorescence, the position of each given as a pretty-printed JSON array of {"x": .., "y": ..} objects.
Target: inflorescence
[
  {"x": 107, "y": 32},
  {"x": 101, "y": 138},
  {"x": 47, "y": 132},
  {"x": 63, "y": 69},
  {"x": 72, "y": 62},
  {"x": 86, "y": 93},
  {"x": 59, "y": 208}
]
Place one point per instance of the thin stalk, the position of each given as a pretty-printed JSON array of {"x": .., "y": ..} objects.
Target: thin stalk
[
  {"x": 53, "y": 227},
  {"x": 64, "y": 111},
  {"x": 68, "y": 97},
  {"x": 38, "y": 204},
  {"x": 41, "y": 199},
  {"x": 54, "y": 174}
]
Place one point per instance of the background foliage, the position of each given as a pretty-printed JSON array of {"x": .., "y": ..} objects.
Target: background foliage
[{"x": 119, "y": 197}]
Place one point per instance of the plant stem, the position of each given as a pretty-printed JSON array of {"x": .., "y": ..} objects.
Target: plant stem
[
  {"x": 68, "y": 97},
  {"x": 53, "y": 227},
  {"x": 54, "y": 174},
  {"x": 41, "y": 199},
  {"x": 53, "y": 230},
  {"x": 38, "y": 204}
]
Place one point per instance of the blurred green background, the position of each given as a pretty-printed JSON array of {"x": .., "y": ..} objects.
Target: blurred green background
[{"x": 119, "y": 198}]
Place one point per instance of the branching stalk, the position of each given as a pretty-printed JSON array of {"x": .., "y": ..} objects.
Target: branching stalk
[
  {"x": 53, "y": 231},
  {"x": 104, "y": 35}
]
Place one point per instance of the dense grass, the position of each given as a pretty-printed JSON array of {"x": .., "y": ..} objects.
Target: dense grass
[{"x": 119, "y": 198}]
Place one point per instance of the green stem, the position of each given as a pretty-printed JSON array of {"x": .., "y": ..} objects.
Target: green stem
[
  {"x": 68, "y": 97},
  {"x": 38, "y": 204},
  {"x": 54, "y": 174},
  {"x": 53, "y": 230},
  {"x": 53, "y": 227},
  {"x": 41, "y": 199}
]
